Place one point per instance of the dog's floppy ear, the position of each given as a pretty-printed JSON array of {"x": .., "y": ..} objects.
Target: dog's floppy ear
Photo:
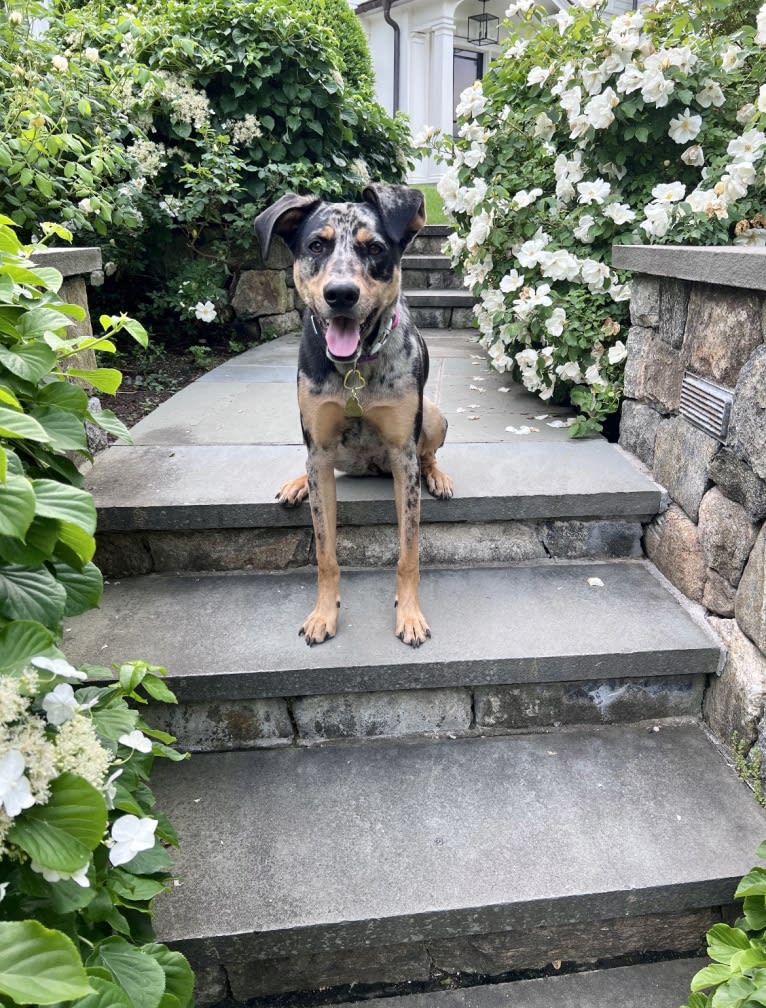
[
  {"x": 283, "y": 218},
  {"x": 402, "y": 210}
]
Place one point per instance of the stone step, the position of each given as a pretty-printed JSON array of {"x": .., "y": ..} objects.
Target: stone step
[
  {"x": 212, "y": 507},
  {"x": 521, "y": 647},
  {"x": 377, "y": 862},
  {"x": 431, "y": 272},
  {"x": 651, "y": 985},
  {"x": 430, "y": 240},
  {"x": 439, "y": 299}
]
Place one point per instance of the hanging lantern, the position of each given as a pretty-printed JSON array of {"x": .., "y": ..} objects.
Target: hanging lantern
[{"x": 483, "y": 29}]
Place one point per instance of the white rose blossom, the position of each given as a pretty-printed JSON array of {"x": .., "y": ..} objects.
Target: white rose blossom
[
  {"x": 593, "y": 192},
  {"x": 205, "y": 312},
  {"x": 669, "y": 193},
  {"x": 711, "y": 94},
  {"x": 748, "y": 147},
  {"x": 760, "y": 24},
  {"x": 524, "y": 198},
  {"x": 512, "y": 281},
  {"x": 685, "y": 127},
  {"x": 694, "y": 155},
  {"x": 581, "y": 231},
  {"x": 620, "y": 213},
  {"x": 60, "y": 63},
  {"x": 617, "y": 353},
  {"x": 555, "y": 324},
  {"x": 559, "y": 265}
]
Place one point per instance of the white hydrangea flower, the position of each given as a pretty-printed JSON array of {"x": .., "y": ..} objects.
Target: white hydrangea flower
[
  {"x": 685, "y": 127},
  {"x": 80, "y": 875},
  {"x": 58, "y": 666},
  {"x": 130, "y": 836},
  {"x": 15, "y": 792},
  {"x": 136, "y": 740},
  {"x": 60, "y": 704}
]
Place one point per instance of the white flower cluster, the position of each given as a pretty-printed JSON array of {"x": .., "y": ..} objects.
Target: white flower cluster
[
  {"x": 245, "y": 130},
  {"x": 588, "y": 198},
  {"x": 150, "y": 157},
  {"x": 189, "y": 104}
]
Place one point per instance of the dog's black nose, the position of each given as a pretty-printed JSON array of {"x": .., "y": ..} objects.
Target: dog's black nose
[{"x": 341, "y": 294}]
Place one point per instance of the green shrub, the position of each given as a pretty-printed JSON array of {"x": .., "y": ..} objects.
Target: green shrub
[
  {"x": 64, "y": 116},
  {"x": 253, "y": 101},
  {"x": 82, "y": 849},
  {"x": 589, "y": 132}
]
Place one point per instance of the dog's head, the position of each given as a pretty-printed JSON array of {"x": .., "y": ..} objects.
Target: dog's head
[{"x": 347, "y": 256}]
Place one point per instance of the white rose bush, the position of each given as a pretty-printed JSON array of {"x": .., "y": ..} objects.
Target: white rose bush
[{"x": 585, "y": 133}]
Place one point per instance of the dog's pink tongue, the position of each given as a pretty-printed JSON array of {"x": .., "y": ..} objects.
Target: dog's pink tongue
[{"x": 342, "y": 337}]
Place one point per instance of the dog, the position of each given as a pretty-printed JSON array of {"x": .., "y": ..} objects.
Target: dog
[{"x": 362, "y": 367}]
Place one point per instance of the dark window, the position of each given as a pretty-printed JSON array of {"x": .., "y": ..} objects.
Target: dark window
[{"x": 467, "y": 67}]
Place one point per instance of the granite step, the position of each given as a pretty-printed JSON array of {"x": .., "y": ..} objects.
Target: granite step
[
  {"x": 652, "y": 985},
  {"x": 211, "y": 507},
  {"x": 430, "y": 239},
  {"x": 513, "y": 648},
  {"x": 375, "y": 862},
  {"x": 431, "y": 272}
]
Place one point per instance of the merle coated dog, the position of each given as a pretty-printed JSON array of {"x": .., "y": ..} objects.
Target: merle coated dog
[{"x": 362, "y": 367}]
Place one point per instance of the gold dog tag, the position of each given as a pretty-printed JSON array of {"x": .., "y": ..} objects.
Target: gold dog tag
[{"x": 353, "y": 408}]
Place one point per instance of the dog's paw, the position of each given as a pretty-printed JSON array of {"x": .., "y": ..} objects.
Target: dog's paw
[
  {"x": 294, "y": 492},
  {"x": 411, "y": 628},
  {"x": 319, "y": 627},
  {"x": 439, "y": 484}
]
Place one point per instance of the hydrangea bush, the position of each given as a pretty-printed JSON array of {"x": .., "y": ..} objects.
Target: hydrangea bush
[
  {"x": 82, "y": 850},
  {"x": 589, "y": 132}
]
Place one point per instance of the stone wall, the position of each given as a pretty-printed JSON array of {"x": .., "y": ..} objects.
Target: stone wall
[
  {"x": 702, "y": 311},
  {"x": 263, "y": 296}
]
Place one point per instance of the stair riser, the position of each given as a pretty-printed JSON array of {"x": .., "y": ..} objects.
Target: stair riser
[
  {"x": 225, "y": 724},
  {"x": 442, "y": 318},
  {"x": 431, "y": 279},
  {"x": 125, "y": 554},
  {"x": 428, "y": 244},
  {"x": 491, "y": 957}
]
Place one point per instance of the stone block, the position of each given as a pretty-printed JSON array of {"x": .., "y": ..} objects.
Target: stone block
[
  {"x": 463, "y": 318},
  {"x": 230, "y": 549},
  {"x": 738, "y": 481},
  {"x": 431, "y": 318},
  {"x": 674, "y": 306},
  {"x": 385, "y": 714},
  {"x": 221, "y": 726},
  {"x": 750, "y": 603},
  {"x": 210, "y": 985},
  {"x": 414, "y": 279},
  {"x": 734, "y": 702},
  {"x": 597, "y": 701},
  {"x": 747, "y": 430},
  {"x": 653, "y": 371},
  {"x": 645, "y": 301},
  {"x": 726, "y": 534},
  {"x": 261, "y": 292},
  {"x": 123, "y": 554},
  {"x": 273, "y": 326},
  {"x": 638, "y": 429},
  {"x": 722, "y": 331},
  {"x": 572, "y": 540},
  {"x": 719, "y": 595},
  {"x": 682, "y": 454},
  {"x": 672, "y": 544}
]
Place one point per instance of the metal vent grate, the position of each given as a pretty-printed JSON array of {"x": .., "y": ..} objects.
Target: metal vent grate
[{"x": 706, "y": 405}]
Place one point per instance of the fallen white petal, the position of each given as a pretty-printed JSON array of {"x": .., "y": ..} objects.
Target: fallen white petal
[{"x": 595, "y": 582}]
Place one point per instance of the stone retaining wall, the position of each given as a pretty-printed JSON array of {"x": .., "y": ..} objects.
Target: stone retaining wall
[{"x": 702, "y": 311}]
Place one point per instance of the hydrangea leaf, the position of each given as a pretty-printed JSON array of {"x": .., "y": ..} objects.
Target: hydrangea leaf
[
  {"x": 66, "y": 431},
  {"x": 17, "y": 506},
  {"x": 29, "y": 363},
  {"x": 83, "y": 587},
  {"x": 62, "y": 833},
  {"x": 179, "y": 979},
  {"x": 18, "y": 425},
  {"x": 39, "y": 966},
  {"x": 67, "y": 503},
  {"x": 139, "y": 975},
  {"x": 22, "y": 640},
  {"x": 31, "y": 594},
  {"x": 106, "y": 380},
  {"x": 106, "y": 994}
]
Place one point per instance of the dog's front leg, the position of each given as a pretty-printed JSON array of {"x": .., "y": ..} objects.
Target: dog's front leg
[
  {"x": 411, "y": 625},
  {"x": 322, "y": 622}
]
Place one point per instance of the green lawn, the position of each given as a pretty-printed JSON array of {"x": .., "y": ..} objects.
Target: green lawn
[{"x": 434, "y": 209}]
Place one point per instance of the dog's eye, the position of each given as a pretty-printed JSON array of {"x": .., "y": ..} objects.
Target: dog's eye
[
  {"x": 374, "y": 248},
  {"x": 316, "y": 246}
]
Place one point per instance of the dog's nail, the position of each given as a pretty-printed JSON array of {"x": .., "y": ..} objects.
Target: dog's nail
[
  {"x": 338, "y": 603},
  {"x": 396, "y": 603}
]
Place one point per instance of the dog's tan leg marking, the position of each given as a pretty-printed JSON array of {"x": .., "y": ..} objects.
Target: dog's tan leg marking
[
  {"x": 323, "y": 421},
  {"x": 432, "y": 437},
  {"x": 395, "y": 422}
]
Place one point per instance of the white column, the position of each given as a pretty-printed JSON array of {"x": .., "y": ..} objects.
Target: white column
[
  {"x": 416, "y": 101},
  {"x": 442, "y": 47}
]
